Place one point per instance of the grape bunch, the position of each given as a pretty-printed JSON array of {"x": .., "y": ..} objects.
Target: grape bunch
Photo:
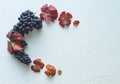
[
  {"x": 23, "y": 57},
  {"x": 16, "y": 44},
  {"x": 27, "y": 21}
]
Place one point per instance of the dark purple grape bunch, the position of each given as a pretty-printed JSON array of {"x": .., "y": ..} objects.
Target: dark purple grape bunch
[{"x": 27, "y": 21}]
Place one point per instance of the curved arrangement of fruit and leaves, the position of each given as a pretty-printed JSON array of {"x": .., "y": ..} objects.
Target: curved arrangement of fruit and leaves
[{"x": 27, "y": 22}]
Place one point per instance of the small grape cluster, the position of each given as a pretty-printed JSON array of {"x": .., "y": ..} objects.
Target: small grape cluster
[
  {"x": 23, "y": 57},
  {"x": 16, "y": 44}
]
